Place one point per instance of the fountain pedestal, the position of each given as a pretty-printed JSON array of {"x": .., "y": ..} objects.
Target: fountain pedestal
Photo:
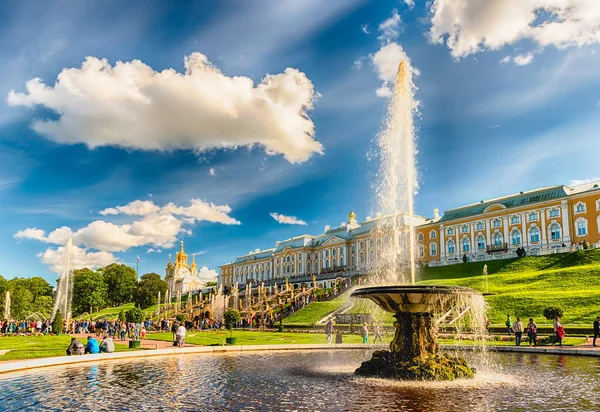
[{"x": 414, "y": 351}]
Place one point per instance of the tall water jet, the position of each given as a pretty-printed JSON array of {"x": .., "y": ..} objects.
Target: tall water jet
[
  {"x": 398, "y": 179},
  {"x": 64, "y": 291},
  {"x": 7, "y": 305}
]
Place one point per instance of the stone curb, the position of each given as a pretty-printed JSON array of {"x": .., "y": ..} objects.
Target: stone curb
[
  {"x": 526, "y": 349},
  {"x": 72, "y": 360}
]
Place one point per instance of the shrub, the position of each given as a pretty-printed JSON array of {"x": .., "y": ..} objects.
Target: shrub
[
  {"x": 57, "y": 323},
  {"x": 464, "y": 258},
  {"x": 552, "y": 313},
  {"x": 180, "y": 318},
  {"x": 231, "y": 317},
  {"x": 122, "y": 316},
  {"x": 135, "y": 315}
]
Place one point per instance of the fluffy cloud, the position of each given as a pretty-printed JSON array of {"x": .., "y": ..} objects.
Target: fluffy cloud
[
  {"x": 199, "y": 210},
  {"x": 386, "y": 62},
  {"x": 470, "y": 26},
  {"x": 153, "y": 250},
  {"x": 390, "y": 28},
  {"x": 80, "y": 258},
  {"x": 288, "y": 220},
  {"x": 212, "y": 171},
  {"x": 130, "y": 105},
  {"x": 31, "y": 233},
  {"x": 578, "y": 182},
  {"x": 207, "y": 275},
  {"x": 410, "y": 3},
  {"x": 136, "y": 208},
  {"x": 519, "y": 60}
]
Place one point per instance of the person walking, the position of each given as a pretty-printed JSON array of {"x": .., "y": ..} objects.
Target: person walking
[
  {"x": 364, "y": 332},
  {"x": 517, "y": 329},
  {"x": 532, "y": 332},
  {"x": 508, "y": 324},
  {"x": 377, "y": 332},
  {"x": 559, "y": 332},
  {"x": 596, "y": 330},
  {"x": 329, "y": 331},
  {"x": 180, "y": 335},
  {"x": 556, "y": 325}
]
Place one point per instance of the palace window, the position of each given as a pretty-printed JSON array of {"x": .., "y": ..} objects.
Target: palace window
[
  {"x": 371, "y": 256},
  {"x": 362, "y": 257},
  {"x": 497, "y": 238},
  {"x": 353, "y": 249},
  {"x": 450, "y": 246},
  {"x": 480, "y": 242},
  {"x": 450, "y": 231},
  {"x": 353, "y": 260},
  {"x": 379, "y": 242},
  {"x": 582, "y": 227},
  {"x": 334, "y": 262},
  {"x": 327, "y": 264},
  {"x": 479, "y": 225},
  {"x": 466, "y": 245},
  {"x": 299, "y": 267},
  {"x": 534, "y": 234},
  {"x": 533, "y": 216},
  {"x": 362, "y": 245},
  {"x": 497, "y": 222},
  {"x": 580, "y": 207},
  {"x": 432, "y": 234},
  {"x": 341, "y": 261},
  {"x": 334, "y": 252},
  {"x": 433, "y": 249},
  {"x": 555, "y": 231},
  {"x": 464, "y": 229},
  {"x": 421, "y": 251},
  {"x": 515, "y": 219},
  {"x": 371, "y": 242},
  {"x": 327, "y": 254},
  {"x": 341, "y": 251},
  {"x": 554, "y": 212},
  {"x": 420, "y": 237},
  {"x": 516, "y": 237}
]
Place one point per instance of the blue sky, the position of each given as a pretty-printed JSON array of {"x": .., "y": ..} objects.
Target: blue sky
[{"x": 509, "y": 105}]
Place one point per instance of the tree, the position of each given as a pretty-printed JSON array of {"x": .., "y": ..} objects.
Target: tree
[
  {"x": 464, "y": 258},
  {"x": 231, "y": 317},
  {"x": 552, "y": 313},
  {"x": 89, "y": 290},
  {"x": 20, "y": 299},
  {"x": 135, "y": 315},
  {"x": 209, "y": 284},
  {"x": 146, "y": 292},
  {"x": 57, "y": 323},
  {"x": 122, "y": 317},
  {"x": 121, "y": 281},
  {"x": 180, "y": 318}
]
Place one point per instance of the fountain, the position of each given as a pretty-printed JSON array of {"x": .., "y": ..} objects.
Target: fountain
[
  {"x": 414, "y": 351},
  {"x": 7, "y": 305},
  {"x": 64, "y": 291}
]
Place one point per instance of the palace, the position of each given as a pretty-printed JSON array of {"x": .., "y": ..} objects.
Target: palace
[
  {"x": 181, "y": 277},
  {"x": 541, "y": 221}
]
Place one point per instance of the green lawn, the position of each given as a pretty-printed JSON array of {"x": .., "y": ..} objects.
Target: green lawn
[
  {"x": 30, "y": 347},
  {"x": 314, "y": 312},
  {"x": 524, "y": 287}
]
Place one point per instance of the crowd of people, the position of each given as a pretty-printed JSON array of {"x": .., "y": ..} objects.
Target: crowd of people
[
  {"x": 531, "y": 330},
  {"x": 76, "y": 347}
]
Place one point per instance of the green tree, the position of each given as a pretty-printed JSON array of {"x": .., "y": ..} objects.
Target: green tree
[
  {"x": 57, "y": 323},
  {"x": 231, "y": 317},
  {"x": 89, "y": 291},
  {"x": 146, "y": 292},
  {"x": 122, "y": 317},
  {"x": 121, "y": 281},
  {"x": 552, "y": 313},
  {"x": 135, "y": 315},
  {"x": 43, "y": 305},
  {"x": 21, "y": 299}
]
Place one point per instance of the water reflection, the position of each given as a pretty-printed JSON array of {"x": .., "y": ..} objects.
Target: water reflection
[{"x": 302, "y": 381}]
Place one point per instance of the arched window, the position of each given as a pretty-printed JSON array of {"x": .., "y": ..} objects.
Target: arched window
[
  {"x": 421, "y": 251},
  {"x": 433, "y": 249},
  {"x": 341, "y": 251},
  {"x": 554, "y": 212},
  {"x": 450, "y": 231},
  {"x": 515, "y": 219},
  {"x": 497, "y": 222},
  {"x": 466, "y": 244},
  {"x": 534, "y": 234},
  {"x": 327, "y": 254},
  {"x": 516, "y": 237},
  {"x": 341, "y": 261},
  {"x": 533, "y": 216},
  {"x": 582, "y": 226},
  {"x": 353, "y": 260},
  {"x": 497, "y": 238},
  {"x": 450, "y": 246},
  {"x": 371, "y": 256},
  {"x": 334, "y": 252},
  {"x": 334, "y": 262},
  {"x": 362, "y": 257},
  {"x": 379, "y": 242},
  {"x": 464, "y": 229},
  {"x": 432, "y": 234},
  {"x": 371, "y": 242},
  {"x": 362, "y": 244},
  {"x": 580, "y": 207},
  {"x": 308, "y": 267},
  {"x": 326, "y": 264},
  {"x": 353, "y": 249},
  {"x": 555, "y": 231},
  {"x": 299, "y": 267},
  {"x": 480, "y": 242},
  {"x": 479, "y": 226},
  {"x": 420, "y": 237}
]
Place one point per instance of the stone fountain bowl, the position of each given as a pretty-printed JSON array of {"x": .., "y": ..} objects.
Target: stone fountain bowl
[{"x": 414, "y": 299}]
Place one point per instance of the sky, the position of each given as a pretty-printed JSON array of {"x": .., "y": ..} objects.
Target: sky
[{"x": 232, "y": 124}]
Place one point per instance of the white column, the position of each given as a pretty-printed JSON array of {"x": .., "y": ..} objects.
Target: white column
[
  {"x": 473, "y": 245},
  {"x": 564, "y": 212},
  {"x": 442, "y": 251},
  {"x": 487, "y": 223},
  {"x": 457, "y": 248},
  {"x": 524, "y": 236},
  {"x": 505, "y": 223},
  {"x": 544, "y": 228}
]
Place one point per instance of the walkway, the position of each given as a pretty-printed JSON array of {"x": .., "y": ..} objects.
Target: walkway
[{"x": 144, "y": 344}]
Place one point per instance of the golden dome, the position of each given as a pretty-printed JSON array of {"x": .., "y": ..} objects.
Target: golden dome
[{"x": 351, "y": 217}]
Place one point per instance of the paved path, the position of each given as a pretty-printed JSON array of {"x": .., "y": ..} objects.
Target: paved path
[{"x": 144, "y": 344}]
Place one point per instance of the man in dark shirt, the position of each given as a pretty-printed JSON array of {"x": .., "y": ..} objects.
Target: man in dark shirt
[{"x": 596, "y": 329}]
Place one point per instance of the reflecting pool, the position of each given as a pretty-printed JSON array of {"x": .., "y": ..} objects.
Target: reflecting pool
[{"x": 315, "y": 380}]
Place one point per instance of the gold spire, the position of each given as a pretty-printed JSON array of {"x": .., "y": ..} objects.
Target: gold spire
[
  {"x": 169, "y": 264},
  {"x": 351, "y": 217},
  {"x": 193, "y": 260}
]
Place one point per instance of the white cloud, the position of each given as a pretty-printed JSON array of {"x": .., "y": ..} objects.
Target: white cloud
[
  {"x": 358, "y": 63},
  {"x": 505, "y": 60},
  {"x": 130, "y": 105},
  {"x": 137, "y": 208},
  {"x": 207, "y": 275},
  {"x": 200, "y": 210},
  {"x": 80, "y": 258},
  {"x": 523, "y": 59},
  {"x": 31, "y": 233},
  {"x": 386, "y": 62},
  {"x": 578, "y": 182},
  {"x": 365, "y": 29},
  {"x": 288, "y": 220},
  {"x": 471, "y": 26},
  {"x": 153, "y": 250},
  {"x": 390, "y": 28},
  {"x": 212, "y": 171},
  {"x": 410, "y": 4}
]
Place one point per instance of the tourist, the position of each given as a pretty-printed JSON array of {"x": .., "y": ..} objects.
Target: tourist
[
  {"x": 508, "y": 324},
  {"x": 556, "y": 325},
  {"x": 180, "y": 335},
  {"x": 364, "y": 332},
  {"x": 75, "y": 348},
  {"x": 92, "y": 346},
  {"x": 377, "y": 332},
  {"x": 143, "y": 333},
  {"x": 517, "y": 328},
  {"x": 329, "y": 331},
  {"x": 596, "y": 330},
  {"x": 532, "y": 332},
  {"x": 107, "y": 345},
  {"x": 559, "y": 332},
  {"x": 339, "y": 337}
]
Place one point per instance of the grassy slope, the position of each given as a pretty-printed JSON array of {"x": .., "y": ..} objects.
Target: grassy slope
[
  {"x": 113, "y": 313},
  {"x": 316, "y": 311},
  {"x": 29, "y": 347},
  {"x": 524, "y": 287}
]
